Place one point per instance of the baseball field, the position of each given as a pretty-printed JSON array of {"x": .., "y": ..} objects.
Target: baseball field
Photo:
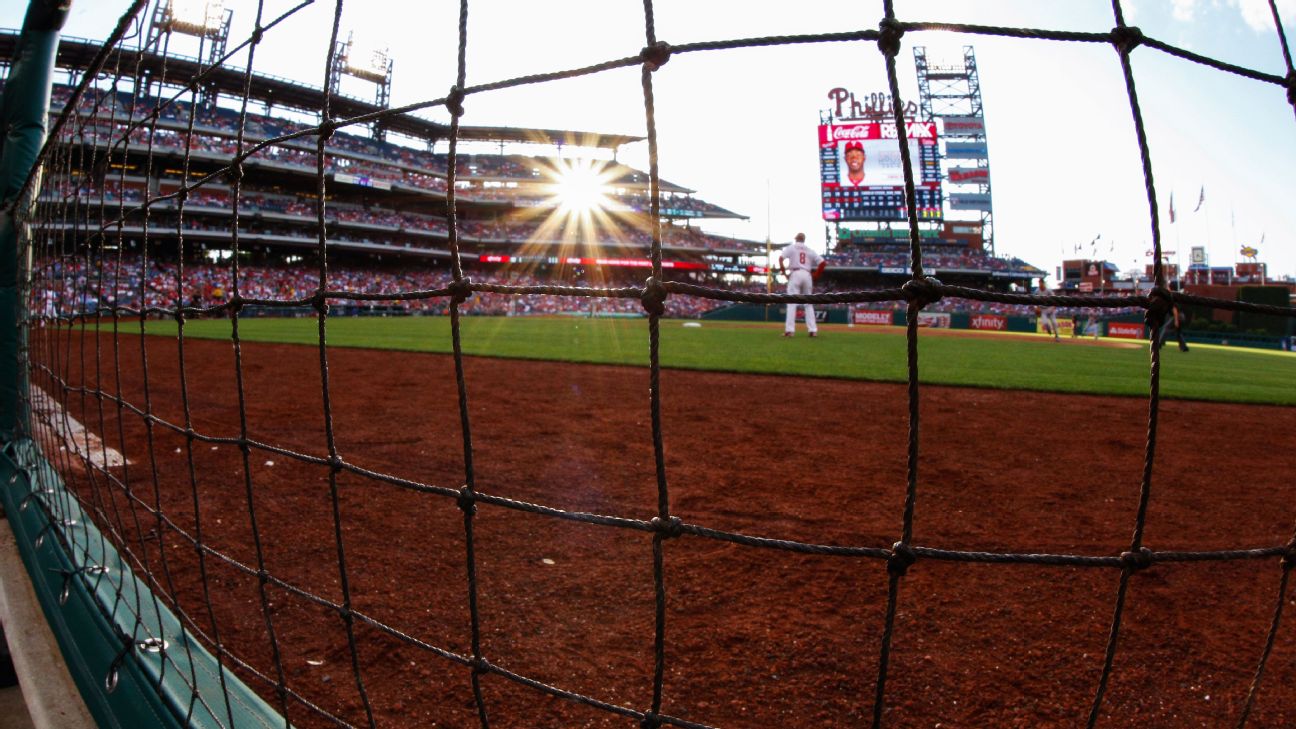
[
  {"x": 800, "y": 439},
  {"x": 965, "y": 357}
]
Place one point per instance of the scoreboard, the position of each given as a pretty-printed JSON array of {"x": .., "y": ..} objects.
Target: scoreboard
[{"x": 862, "y": 174}]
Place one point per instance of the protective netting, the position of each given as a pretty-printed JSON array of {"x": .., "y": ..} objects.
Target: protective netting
[{"x": 81, "y": 274}]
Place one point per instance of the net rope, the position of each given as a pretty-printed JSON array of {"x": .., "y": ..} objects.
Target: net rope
[{"x": 57, "y": 347}]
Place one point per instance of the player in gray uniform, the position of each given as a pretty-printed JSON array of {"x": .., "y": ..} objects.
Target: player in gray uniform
[{"x": 802, "y": 266}]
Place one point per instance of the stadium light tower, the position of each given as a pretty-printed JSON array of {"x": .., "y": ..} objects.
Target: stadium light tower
[
  {"x": 951, "y": 92},
  {"x": 206, "y": 20},
  {"x": 367, "y": 63}
]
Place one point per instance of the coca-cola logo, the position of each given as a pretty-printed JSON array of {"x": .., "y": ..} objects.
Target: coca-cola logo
[{"x": 856, "y": 132}]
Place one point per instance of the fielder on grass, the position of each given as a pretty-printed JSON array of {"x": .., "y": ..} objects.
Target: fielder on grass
[
  {"x": 1048, "y": 316},
  {"x": 805, "y": 265}
]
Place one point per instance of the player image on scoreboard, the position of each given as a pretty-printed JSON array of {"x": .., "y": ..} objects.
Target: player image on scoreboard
[{"x": 870, "y": 162}]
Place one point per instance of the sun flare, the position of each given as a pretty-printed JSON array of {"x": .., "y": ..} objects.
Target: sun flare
[{"x": 581, "y": 188}]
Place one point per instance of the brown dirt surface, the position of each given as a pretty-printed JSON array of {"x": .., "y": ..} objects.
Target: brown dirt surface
[{"x": 755, "y": 637}]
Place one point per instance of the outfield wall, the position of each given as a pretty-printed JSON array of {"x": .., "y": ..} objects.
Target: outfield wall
[{"x": 1122, "y": 327}]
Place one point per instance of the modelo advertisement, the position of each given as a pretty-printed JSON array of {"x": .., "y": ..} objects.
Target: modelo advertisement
[{"x": 873, "y": 317}]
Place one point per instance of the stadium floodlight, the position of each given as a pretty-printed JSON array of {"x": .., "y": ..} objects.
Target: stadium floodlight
[
  {"x": 367, "y": 61},
  {"x": 196, "y": 17}
]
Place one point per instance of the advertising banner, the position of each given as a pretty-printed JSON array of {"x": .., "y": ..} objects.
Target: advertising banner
[
  {"x": 969, "y": 175},
  {"x": 990, "y": 322},
  {"x": 866, "y": 316},
  {"x": 966, "y": 150},
  {"x": 974, "y": 201},
  {"x": 1125, "y": 329},
  {"x": 1066, "y": 325},
  {"x": 964, "y": 126},
  {"x": 361, "y": 180},
  {"x": 934, "y": 319}
]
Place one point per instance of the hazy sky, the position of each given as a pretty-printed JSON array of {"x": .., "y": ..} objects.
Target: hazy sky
[{"x": 740, "y": 126}]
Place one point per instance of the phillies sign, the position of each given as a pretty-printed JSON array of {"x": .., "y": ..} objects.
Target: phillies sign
[{"x": 868, "y": 106}]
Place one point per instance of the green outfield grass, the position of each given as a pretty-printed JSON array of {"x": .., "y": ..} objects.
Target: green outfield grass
[{"x": 867, "y": 353}]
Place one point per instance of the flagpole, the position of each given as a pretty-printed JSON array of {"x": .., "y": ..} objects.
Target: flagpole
[{"x": 1210, "y": 272}]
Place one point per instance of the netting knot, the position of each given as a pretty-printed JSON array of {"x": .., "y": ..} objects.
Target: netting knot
[
  {"x": 454, "y": 101},
  {"x": 236, "y": 172},
  {"x": 889, "y": 41},
  {"x": 467, "y": 501},
  {"x": 1159, "y": 302},
  {"x": 650, "y": 721},
  {"x": 320, "y": 303},
  {"x": 656, "y": 55},
  {"x": 669, "y": 528},
  {"x": 182, "y": 195},
  {"x": 326, "y": 129},
  {"x": 460, "y": 290},
  {"x": 1291, "y": 88},
  {"x": 235, "y": 305},
  {"x": 257, "y": 34},
  {"x": 653, "y": 297},
  {"x": 902, "y": 557},
  {"x": 336, "y": 464},
  {"x": 1289, "y": 559},
  {"x": 922, "y": 291},
  {"x": 1137, "y": 560},
  {"x": 1126, "y": 38}
]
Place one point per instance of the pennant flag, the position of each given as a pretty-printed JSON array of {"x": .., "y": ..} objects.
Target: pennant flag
[
  {"x": 1172, "y": 215},
  {"x": 1201, "y": 199}
]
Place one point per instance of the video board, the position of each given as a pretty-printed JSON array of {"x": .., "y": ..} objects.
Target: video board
[{"x": 862, "y": 176}]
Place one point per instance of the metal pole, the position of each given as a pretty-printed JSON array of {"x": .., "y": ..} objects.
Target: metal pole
[{"x": 23, "y": 114}]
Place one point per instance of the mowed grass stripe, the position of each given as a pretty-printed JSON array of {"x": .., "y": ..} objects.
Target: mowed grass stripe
[{"x": 866, "y": 353}]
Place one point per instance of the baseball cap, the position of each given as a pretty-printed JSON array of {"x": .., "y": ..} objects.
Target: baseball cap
[{"x": 853, "y": 145}]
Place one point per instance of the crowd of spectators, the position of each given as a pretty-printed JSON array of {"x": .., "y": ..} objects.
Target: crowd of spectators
[
  {"x": 897, "y": 256},
  {"x": 615, "y": 231},
  {"x": 76, "y": 285},
  {"x": 214, "y": 134}
]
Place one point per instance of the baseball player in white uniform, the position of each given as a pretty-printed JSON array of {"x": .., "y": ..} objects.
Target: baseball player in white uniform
[
  {"x": 1048, "y": 316},
  {"x": 802, "y": 266}
]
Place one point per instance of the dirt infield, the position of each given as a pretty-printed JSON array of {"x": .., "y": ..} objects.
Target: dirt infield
[{"x": 755, "y": 637}]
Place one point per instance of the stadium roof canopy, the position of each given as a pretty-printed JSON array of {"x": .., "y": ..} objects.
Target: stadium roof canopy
[{"x": 78, "y": 53}]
